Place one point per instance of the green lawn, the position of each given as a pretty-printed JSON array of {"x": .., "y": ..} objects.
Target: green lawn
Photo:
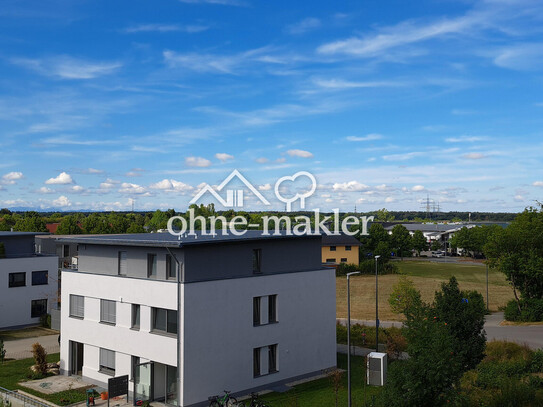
[
  {"x": 320, "y": 393},
  {"x": 31, "y": 332},
  {"x": 14, "y": 371}
]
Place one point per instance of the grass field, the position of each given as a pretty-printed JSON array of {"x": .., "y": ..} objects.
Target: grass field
[
  {"x": 30, "y": 332},
  {"x": 320, "y": 393},
  {"x": 427, "y": 276}
]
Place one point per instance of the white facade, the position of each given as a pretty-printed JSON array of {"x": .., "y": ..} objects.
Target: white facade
[
  {"x": 216, "y": 328},
  {"x": 16, "y": 302}
]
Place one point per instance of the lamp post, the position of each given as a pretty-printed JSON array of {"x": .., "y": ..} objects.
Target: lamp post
[
  {"x": 349, "y": 334},
  {"x": 487, "y": 306},
  {"x": 376, "y": 305}
]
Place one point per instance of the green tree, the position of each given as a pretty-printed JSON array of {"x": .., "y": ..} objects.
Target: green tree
[
  {"x": 404, "y": 298},
  {"x": 419, "y": 242},
  {"x": 401, "y": 239},
  {"x": 383, "y": 215},
  {"x": 436, "y": 245},
  {"x": 158, "y": 221},
  {"x": 31, "y": 222},
  {"x": 69, "y": 225}
]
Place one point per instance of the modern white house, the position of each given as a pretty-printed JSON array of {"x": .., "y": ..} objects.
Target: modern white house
[
  {"x": 245, "y": 313},
  {"x": 28, "y": 281}
]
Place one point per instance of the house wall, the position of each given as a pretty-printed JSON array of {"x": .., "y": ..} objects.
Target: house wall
[
  {"x": 352, "y": 255},
  {"x": 219, "y": 336},
  {"x": 121, "y": 338},
  {"x": 18, "y": 245},
  {"x": 15, "y": 302}
]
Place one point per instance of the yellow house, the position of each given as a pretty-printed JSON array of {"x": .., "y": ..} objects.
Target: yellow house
[{"x": 340, "y": 249}]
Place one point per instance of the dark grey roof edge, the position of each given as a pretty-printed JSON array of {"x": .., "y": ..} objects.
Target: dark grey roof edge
[{"x": 14, "y": 233}]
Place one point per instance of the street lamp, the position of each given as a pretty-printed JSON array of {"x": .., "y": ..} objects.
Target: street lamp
[
  {"x": 349, "y": 334},
  {"x": 487, "y": 305},
  {"x": 376, "y": 305}
]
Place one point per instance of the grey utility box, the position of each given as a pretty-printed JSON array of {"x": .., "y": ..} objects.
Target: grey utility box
[{"x": 376, "y": 370}]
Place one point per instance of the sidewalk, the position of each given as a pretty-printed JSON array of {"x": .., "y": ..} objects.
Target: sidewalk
[{"x": 22, "y": 348}]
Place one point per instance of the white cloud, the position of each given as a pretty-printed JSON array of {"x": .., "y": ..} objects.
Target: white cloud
[
  {"x": 389, "y": 199},
  {"x": 341, "y": 84},
  {"x": 224, "y": 157},
  {"x": 402, "y": 157},
  {"x": 265, "y": 187},
  {"x": 349, "y": 186},
  {"x": 94, "y": 171},
  {"x": 45, "y": 190},
  {"x": 538, "y": 184},
  {"x": 66, "y": 67},
  {"x": 197, "y": 162},
  {"x": 171, "y": 185},
  {"x": 129, "y": 188},
  {"x": 473, "y": 156},
  {"x": 62, "y": 179},
  {"x": 465, "y": 139},
  {"x": 307, "y": 24},
  {"x": 300, "y": 153},
  {"x": 262, "y": 160},
  {"x": 418, "y": 188},
  {"x": 62, "y": 202},
  {"x": 78, "y": 189},
  {"x": 523, "y": 57},
  {"x": 162, "y": 28},
  {"x": 281, "y": 160},
  {"x": 11, "y": 178},
  {"x": 108, "y": 184},
  {"x": 519, "y": 198},
  {"x": 369, "y": 137}
]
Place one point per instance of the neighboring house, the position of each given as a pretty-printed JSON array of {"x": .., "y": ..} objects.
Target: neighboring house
[
  {"x": 254, "y": 312},
  {"x": 340, "y": 249},
  {"x": 28, "y": 281}
]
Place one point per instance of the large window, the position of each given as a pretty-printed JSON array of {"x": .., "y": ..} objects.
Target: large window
[
  {"x": 272, "y": 358},
  {"x": 258, "y": 369},
  {"x": 39, "y": 277},
  {"x": 257, "y": 261},
  {"x": 77, "y": 306},
  {"x": 122, "y": 263},
  {"x": 151, "y": 265},
  {"x": 135, "y": 316},
  {"x": 164, "y": 320},
  {"x": 17, "y": 279},
  {"x": 256, "y": 362},
  {"x": 107, "y": 361},
  {"x": 256, "y": 310},
  {"x": 108, "y": 311},
  {"x": 66, "y": 250},
  {"x": 38, "y": 308},
  {"x": 171, "y": 267},
  {"x": 259, "y": 309}
]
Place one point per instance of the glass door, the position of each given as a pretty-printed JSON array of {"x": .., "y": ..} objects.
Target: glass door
[{"x": 143, "y": 379}]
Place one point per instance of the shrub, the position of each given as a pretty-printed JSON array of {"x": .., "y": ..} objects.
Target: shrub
[
  {"x": 537, "y": 362},
  {"x": 395, "y": 343},
  {"x": 40, "y": 357},
  {"x": 531, "y": 310},
  {"x": 343, "y": 268}
]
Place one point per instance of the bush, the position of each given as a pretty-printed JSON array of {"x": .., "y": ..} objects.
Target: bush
[
  {"x": 366, "y": 267},
  {"x": 531, "y": 310},
  {"x": 45, "y": 321},
  {"x": 40, "y": 357},
  {"x": 343, "y": 268},
  {"x": 537, "y": 362}
]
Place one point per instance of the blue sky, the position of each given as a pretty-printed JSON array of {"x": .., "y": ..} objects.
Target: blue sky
[{"x": 385, "y": 102}]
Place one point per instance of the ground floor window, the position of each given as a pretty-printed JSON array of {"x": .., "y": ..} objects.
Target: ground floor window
[
  {"x": 259, "y": 365},
  {"x": 38, "y": 308},
  {"x": 107, "y": 361}
]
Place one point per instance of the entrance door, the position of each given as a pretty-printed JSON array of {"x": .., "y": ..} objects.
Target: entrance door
[
  {"x": 76, "y": 350},
  {"x": 143, "y": 379}
]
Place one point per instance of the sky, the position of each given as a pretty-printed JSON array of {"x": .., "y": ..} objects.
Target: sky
[{"x": 112, "y": 105}]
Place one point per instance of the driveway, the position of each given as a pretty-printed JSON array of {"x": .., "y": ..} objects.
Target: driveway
[
  {"x": 531, "y": 335},
  {"x": 22, "y": 348}
]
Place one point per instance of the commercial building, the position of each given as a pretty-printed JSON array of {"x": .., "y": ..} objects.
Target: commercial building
[
  {"x": 28, "y": 281},
  {"x": 240, "y": 313}
]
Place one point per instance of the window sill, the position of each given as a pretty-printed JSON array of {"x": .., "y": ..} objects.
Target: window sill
[
  {"x": 135, "y": 328},
  {"x": 266, "y": 324},
  {"x": 163, "y": 333},
  {"x": 266, "y": 374},
  {"x": 107, "y": 372},
  {"x": 108, "y": 323},
  {"x": 77, "y": 317}
]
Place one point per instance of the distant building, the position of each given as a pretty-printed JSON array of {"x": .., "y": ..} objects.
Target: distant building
[
  {"x": 249, "y": 312},
  {"x": 338, "y": 249},
  {"x": 28, "y": 281}
]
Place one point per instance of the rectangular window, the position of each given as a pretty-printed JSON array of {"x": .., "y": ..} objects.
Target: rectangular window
[
  {"x": 151, "y": 265},
  {"x": 332, "y": 248},
  {"x": 135, "y": 363},
  {"x": 39, "y": 277},
  {"x": 256, "y": 362},
  {"x": 272, "y": 309},
  {"x": 257, "y": 261},
  {"x": 77, "y": 306},
  {"x": 344, "y": 259},
  {"x": 17, "y": 280},
  {"x": 108, "y": 311},
  {"x": 122, "y": 263},
  {"x": 330, "y": 260},
  {"x": 66, "y": 250},
  {"x": 256, "y": 311},
  {"x": 164, "y": 320},
  {"x": 107, "y": 361},
  {"x": 38, "y": 308},
  {"x": 272, "y": 358},
  {"x": 135, "y": 316},
  {"x": 171, "y": 267},
  {"x": 348, "y": 248}
]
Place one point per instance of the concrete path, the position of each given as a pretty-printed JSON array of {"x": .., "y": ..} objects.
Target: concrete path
[
  {"x": 22, "y": 348},
  {"x": 531, "y": 335}
]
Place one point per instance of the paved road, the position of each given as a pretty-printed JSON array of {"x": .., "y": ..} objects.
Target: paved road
[
  {"x": 22, "y": 348},
  {"x": 530, "y": 335}
]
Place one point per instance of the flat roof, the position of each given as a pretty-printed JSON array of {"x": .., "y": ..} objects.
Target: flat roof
[
  {"x": 431, "y": 227},
  {"x": 17, "y": 234},
  {"x": 168, "y": 240}
]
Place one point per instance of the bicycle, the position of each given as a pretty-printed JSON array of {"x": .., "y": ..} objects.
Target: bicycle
[
  {"x": 254, "y": 402},
  {"x": 224, "y": 401}
]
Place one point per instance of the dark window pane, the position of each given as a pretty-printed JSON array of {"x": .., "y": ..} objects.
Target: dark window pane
[
  {"x": 256, "y": 311},
  {"x": 272, "y": 358},
  {"x": 172, "y": 322},
  {"x": 272, "y": 308},
  {"x": 159, "y": 319},
  {"x": 256, "y": 362},
  {"x": 257, "y": 260},
  {"x": 17, "y": 279},
  {"x": 39, "y": 277},
  {"x": 38, "y": 308}
]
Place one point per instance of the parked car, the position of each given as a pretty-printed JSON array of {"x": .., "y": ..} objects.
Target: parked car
[{"x": 437, "y": 254}]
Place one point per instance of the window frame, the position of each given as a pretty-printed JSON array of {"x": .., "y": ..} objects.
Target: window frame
[
  {"x": 33, "y": 304},
  {"x": 71, "y": 308},
  {"x": 34, "y": 273},
  {"x": 257, "y": 311},
  {"x": 133, "y": 318},
  {"x": 333, "y": 248},
  {"x": 348, "y": 248},
  {"x": 11, "y": 277},
  {"x": 330, "y": 260},
  {"x": 103, "y": 368},
  {"x": 104, "y": 315},
  {"x": 152, "y": 265},
  {"x": 272, "y": 309},
  {"x": 171, "y": 315},
  {"x": 343, "y": 260},
  {"x": 120, "y": 260},
  {"x": 272, "y": 357},
  {"x": 257, "y": 368},
  {"x": 171, "y": 264},
  {"x": 257, "y": 261}
]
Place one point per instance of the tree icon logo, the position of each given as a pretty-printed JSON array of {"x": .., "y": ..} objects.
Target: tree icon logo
[{"x": 300, "y": 196}]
